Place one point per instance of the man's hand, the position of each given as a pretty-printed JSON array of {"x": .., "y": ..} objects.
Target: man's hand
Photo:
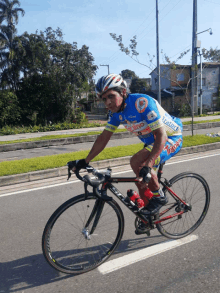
[
  {"x": 77, "y": 165},
  {"x": 145, "y": 173}
]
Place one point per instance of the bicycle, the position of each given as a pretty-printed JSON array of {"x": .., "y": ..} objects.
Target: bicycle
[{"x": 85, "y": 230}]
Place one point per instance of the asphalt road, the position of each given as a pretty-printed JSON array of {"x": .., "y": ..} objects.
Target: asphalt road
[
  {"x": 193, "y": 267},
  {"x": 53, "y": 150}
]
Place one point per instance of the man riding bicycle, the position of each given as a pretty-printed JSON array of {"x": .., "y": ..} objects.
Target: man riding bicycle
[{"x": 160, "y": 132}]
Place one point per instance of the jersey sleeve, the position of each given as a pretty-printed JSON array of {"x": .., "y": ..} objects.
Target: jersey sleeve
[{"x": 112, "y": 124}]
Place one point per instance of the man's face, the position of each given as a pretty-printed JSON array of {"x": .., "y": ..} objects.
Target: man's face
[{"x": 112, "y": 100}]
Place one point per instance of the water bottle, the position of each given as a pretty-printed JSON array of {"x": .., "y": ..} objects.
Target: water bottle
[{"x": 135, "y": 198}]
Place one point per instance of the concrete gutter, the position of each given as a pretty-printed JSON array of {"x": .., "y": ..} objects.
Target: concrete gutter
[
  {"x": 90, "y": 138},
  {"x": 57, "y": 172}
]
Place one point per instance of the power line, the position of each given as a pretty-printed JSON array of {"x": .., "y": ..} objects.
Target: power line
[
  {"x": 116, "y": 52},
  {"x": 136, "y": 30},
  {"x": 113, "y": 58},
  {"x": 160, "y": 20},
  {"x": 212, "y": 2},
  {"x": 181, "y": 51}
]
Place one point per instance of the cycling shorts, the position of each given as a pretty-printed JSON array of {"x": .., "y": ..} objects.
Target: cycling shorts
[{"x": 171, "y": 148}]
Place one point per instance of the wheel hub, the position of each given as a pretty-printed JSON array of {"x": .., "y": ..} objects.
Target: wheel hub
[{"x": 86, "y": 234}]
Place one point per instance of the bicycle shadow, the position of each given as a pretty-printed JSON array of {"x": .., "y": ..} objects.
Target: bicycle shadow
[
  {"x": 28, "y": 272},
  {"x": 33, "y": 271}
]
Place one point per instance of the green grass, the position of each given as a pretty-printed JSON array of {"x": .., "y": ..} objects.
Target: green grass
[{"x": 55, "y": 161}]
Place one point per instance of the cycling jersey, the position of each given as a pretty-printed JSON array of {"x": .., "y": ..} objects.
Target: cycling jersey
[{"x": 142, "y": 115}]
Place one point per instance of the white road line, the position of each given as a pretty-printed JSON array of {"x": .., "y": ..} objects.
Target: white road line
[
  {"x": 142, "y": 254},
  {"x": 123, "y": 172}
]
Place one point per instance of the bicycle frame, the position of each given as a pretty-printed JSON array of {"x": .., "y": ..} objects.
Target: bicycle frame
[
  {"x": 152, "y": 220},
  {"x": 130, "y": 205}
]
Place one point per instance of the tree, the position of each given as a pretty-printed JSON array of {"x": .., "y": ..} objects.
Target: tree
[
  {"x": 128, "y": 74},
  {"x": 212, "y": 55},
  {"x": 9, "y": 58},
  {"x": 9, "y": 109},
  {"x": 131, "y": 51},
  {"x": 9, "y": 13},
  {"x": 54, "y": 74},
  {"x": 138, "y": 86},
  {"x": 9, "y": 45}
]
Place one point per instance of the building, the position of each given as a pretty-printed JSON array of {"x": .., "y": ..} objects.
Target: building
[
  {"x": 210, "y": 85},
  {"x": 175, "y": 86}
]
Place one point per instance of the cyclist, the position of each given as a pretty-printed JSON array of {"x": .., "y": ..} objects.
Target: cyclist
[{"x": 160, "y": 132}]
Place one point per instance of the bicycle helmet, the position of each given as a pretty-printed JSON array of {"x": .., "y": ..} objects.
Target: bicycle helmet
[{"x": 111, "y": 81}]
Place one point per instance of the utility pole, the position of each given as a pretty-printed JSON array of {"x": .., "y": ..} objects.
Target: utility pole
[
  {"x": 107, "y": 66},
  {"x": 194, "y": 63},
  {"x": 158, "y": 56},
  {"x": 200, "y": 54}
]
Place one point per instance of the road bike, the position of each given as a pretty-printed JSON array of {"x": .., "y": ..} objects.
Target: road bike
[{"x": 85, "y": 230}]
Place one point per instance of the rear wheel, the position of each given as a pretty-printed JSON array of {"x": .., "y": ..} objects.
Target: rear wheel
[
  {"x": 68, "y": 243},
  {"x": 194, "y": 190}
]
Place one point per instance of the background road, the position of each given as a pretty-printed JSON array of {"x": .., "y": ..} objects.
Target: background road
[
  {"x": 191, "y": 268},
  {"x": 53, "y": 150}
]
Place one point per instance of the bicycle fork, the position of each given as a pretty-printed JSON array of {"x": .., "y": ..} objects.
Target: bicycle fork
[{"x": 95, "y": 214}]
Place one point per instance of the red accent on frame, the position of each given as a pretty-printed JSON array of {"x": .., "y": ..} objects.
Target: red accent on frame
[
  {"x": 170, "y": 190},
  {"x": 169, "y": 217}
]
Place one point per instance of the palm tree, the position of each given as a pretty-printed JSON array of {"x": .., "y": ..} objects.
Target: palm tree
[
  {"x": 9, "y": 13},
  {"x": 8, "y": 45},
  {"x": 10, "y": 51}
]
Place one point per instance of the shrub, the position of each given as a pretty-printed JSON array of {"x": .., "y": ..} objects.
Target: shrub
[
  {"x": 7, "y": 130},
  {"x": 9, "y": 109}
]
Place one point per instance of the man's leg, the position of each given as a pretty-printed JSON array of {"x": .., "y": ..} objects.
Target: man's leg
[{"x": 137, "y": 162}]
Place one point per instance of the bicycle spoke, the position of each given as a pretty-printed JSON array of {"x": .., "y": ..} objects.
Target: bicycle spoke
[{"x": 68, "y": 245}]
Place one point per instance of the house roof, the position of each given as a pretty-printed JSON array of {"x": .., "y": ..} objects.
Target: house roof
[
  {"x": 178, "y": 66},
  {"x": 210, "y": 64}
]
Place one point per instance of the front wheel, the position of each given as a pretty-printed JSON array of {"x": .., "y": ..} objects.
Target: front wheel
[
  {"x": 194, "y": 190},
  {"x": 73, "y": 244}
]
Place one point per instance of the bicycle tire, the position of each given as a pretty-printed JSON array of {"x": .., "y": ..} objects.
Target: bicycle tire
[
  {"x": 64, "y": 245},
  {"x": 193, "y": 189}
]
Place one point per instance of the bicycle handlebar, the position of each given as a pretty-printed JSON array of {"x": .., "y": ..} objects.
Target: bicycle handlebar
[{"x": 102, "y": 176}]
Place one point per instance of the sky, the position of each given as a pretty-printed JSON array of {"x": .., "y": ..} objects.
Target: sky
[{"x": 91, "y": 22}]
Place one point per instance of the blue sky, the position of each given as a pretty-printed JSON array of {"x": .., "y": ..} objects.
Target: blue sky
[{"x": 90, "y": 22}]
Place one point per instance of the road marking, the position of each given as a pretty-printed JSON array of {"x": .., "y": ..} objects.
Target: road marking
[
  {"x": 142, "y": 254},
  {"x": 123, "y": 172}
]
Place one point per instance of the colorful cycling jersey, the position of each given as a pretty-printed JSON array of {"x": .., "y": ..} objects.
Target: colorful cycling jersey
[{"x": 142, "y": 115}]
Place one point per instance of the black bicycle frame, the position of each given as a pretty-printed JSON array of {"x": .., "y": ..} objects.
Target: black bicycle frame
[{"x": 152, "y": 220}]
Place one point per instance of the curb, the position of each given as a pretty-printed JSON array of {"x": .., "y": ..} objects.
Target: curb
[
  {"x": 57, "y": 172},
  {"x": 89, "y": 138}
]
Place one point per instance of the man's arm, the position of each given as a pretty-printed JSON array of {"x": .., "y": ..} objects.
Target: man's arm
[
  {"x": 99, "y": 144},
  {"x": 159, "y": 143}
]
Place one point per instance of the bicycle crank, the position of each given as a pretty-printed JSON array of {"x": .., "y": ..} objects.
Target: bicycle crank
[{"x": 141, "y": 228}]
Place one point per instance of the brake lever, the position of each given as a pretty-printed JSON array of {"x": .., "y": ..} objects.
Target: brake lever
[{"x": 69, "y": 173}]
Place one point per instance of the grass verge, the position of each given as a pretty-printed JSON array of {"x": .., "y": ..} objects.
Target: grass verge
[{"x": 56, "y": 161}]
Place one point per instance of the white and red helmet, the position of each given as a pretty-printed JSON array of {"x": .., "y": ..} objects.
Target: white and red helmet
[{"x": 111, "y": 81}]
